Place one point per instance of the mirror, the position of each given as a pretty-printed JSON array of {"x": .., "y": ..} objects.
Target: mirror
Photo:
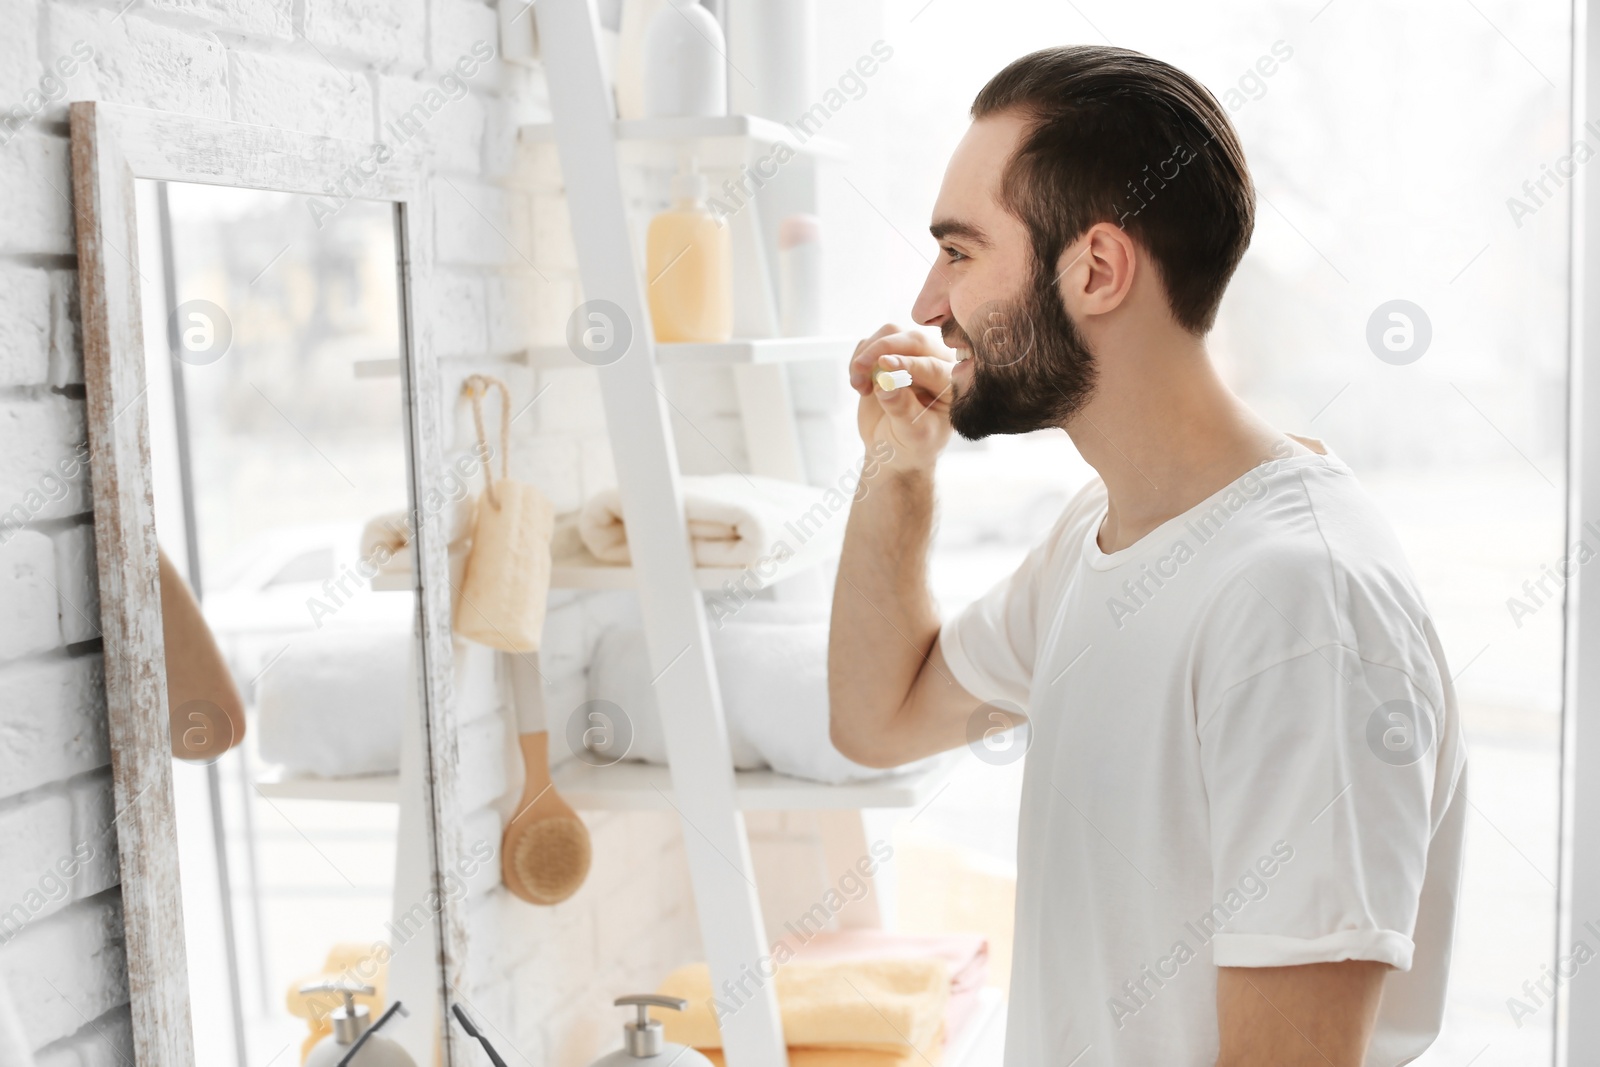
[
  {"x": 278, "y": 790},
  {"x": 279, "y": 468}
]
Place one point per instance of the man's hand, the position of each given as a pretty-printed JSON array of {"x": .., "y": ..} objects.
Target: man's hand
[
  {"x": 915, "y": 421},
  {"x": 1316, "y": 1015},
  {"x": 891, "y": 696}
]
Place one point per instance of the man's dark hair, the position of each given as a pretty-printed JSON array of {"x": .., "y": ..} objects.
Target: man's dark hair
[{"x": 1116, "y": 136}]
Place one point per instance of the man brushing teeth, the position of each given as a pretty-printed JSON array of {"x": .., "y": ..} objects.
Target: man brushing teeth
[{"x": 1240, "y": 835}]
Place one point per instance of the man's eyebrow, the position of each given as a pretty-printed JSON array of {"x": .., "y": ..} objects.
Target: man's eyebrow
[{"x": 956, "y": 228}]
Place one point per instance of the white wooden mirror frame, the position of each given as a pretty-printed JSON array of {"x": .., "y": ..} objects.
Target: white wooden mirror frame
[{"x": 112, "y": 146}]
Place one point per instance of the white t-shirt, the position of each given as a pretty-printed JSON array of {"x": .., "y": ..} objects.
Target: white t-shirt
[{"x": 1245, "y": 752}]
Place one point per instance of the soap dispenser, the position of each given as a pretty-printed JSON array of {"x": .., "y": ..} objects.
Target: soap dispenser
[
  {"x": 355, "y": 1041},
  {"x": 689, "y": 266},
  {"x": 643, "y": 1040}
]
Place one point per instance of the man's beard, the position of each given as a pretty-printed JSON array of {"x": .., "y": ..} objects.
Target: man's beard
[{"x": 1030, "y": 367}]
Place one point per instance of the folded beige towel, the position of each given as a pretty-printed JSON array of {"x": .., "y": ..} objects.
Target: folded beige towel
[
  {"x": 734, "y": 519},
  {"x": 832, "y": 1056},
  {"x": 890, "y": 1006}
]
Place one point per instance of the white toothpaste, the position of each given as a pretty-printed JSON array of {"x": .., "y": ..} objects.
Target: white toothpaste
[{"x": 890, "y": 380}]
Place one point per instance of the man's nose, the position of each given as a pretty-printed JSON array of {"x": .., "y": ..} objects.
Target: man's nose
[{"x": 932, "y": 306}]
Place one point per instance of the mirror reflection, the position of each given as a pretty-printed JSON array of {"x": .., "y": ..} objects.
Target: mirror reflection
[{"x": 281, "y": 473}]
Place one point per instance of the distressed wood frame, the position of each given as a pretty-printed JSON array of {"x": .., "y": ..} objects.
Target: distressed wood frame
[{"x": 112, "y": 145}]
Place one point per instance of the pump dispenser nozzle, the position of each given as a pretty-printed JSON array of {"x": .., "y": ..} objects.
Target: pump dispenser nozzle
[
  {"x": 644, "y": 1042},
  {"x": 642, "y": 1037},
  {"x": 689, "y": 184},
  {"x": 352, "y": 1020}
]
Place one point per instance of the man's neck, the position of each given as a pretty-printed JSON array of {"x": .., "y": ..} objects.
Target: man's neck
[{"x": 1164, "y": 433}]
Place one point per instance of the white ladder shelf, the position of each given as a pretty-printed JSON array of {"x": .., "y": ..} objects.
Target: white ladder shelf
[
  {"x": 652, "y": 501},
  {"x": 708, "y": 795}
]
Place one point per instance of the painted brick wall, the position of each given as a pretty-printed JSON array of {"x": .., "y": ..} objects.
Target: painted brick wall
[
  {"x": 506, "y": 279},
  {"x": 346, "y": 68}
]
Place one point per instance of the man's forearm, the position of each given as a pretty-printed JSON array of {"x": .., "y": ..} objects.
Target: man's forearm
[{"x": 884, "y": 618}]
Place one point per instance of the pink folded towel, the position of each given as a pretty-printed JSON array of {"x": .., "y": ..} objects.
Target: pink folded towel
[{"x": 966, "y": 957}]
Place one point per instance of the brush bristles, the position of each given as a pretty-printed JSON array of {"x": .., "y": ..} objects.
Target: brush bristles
[{"x": 549, "y": 858}]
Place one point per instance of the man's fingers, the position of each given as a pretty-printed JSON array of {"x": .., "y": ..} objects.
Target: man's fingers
[
  {"x": 882, "y": 331},
  {"x": 900, "y": 343},
  {"x": 931, "y": 374},
  {"x": 929, "y": 389},
  {"x": 905, "y": 343}
]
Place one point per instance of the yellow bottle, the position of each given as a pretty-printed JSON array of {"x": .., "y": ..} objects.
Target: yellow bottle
[{"x": 689, "y": 267}]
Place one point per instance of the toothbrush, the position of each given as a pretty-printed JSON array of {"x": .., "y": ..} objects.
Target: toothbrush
[
  {"x": 369, "y": 1031},
  {"x": 472, "y": 1031},
  {"x": 890, "y": 380}
]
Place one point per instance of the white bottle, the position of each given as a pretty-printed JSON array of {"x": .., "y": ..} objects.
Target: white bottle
[
  {"x": 800, "y": 275},
  {"x": 642, "y": 1042},
  {"x": 349, "y": 1024},
  {"x": 684, "y": 70}
]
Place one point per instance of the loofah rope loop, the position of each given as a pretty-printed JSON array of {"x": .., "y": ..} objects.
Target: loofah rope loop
[{"x": 476, "y": 387}]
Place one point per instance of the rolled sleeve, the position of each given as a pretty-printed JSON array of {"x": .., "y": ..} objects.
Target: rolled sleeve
[
  {"x": 1323, "y": 757},
  {"x": 1271, "y": 950}
]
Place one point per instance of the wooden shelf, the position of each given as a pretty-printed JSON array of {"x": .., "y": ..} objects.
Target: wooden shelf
[
  {"x": 746, "y": 351},
  {"x": 366, "y": 789},
  {"x": 577, "y": 568},
  {"x": 742, "y": 351},
  {"x": 718, "y": 141},
  {"x": 633, "y": 786}
]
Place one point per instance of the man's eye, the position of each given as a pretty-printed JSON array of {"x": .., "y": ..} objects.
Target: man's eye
[{"x": 952, "y": 253}]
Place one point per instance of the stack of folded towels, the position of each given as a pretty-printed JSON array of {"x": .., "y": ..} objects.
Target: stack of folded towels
[
  {"x": 852, "y": 998},
  {"x": 734, "y": 520},
  {"x": 772, "y": 670}
]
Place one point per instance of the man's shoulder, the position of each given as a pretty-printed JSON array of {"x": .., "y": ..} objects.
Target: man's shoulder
[
  {"x": 1316, "y": 523},
  {"x": 1322, "y": 564}
]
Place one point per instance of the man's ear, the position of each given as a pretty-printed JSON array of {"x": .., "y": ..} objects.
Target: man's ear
[{"x": 1095, "y": 273}]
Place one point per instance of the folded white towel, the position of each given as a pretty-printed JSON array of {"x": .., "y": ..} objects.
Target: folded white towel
[
  {"x": 734, "y": 519},
  {"x": 386, "y": 539},
  {"x": 620, "y": 674},
  {"x": 331, "y": 705},
  {"x": 772, "y": 669}
]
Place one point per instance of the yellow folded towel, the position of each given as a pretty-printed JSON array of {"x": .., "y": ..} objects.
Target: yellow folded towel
[
  {"x": 841, "y": 1057},
  {"x": 886, "y": 1009}
]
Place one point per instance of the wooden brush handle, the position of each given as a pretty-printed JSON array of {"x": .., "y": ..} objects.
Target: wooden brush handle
[
  {"x": 527, "y": 691},
  {"x": 536, "y": 765}
]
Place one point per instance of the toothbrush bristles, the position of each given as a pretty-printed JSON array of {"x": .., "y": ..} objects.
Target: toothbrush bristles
[{"x": 890, "y": 380}]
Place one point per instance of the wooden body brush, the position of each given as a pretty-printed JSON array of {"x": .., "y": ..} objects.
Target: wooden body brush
[{"x": 544, "y": 854}]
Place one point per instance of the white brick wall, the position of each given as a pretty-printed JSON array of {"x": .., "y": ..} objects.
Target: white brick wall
[
  {"x": 387, "y": 33},
  {"x": 68, "y": 970},
  {"x": 138, "y": 60},
  {"x": 307, "y": 94},
  {"x": 52, "y": 720},
  {"x": 37, "y": 182},
  {"x": 24, "y": 325},
  {"x": 505, "y": 280}
]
